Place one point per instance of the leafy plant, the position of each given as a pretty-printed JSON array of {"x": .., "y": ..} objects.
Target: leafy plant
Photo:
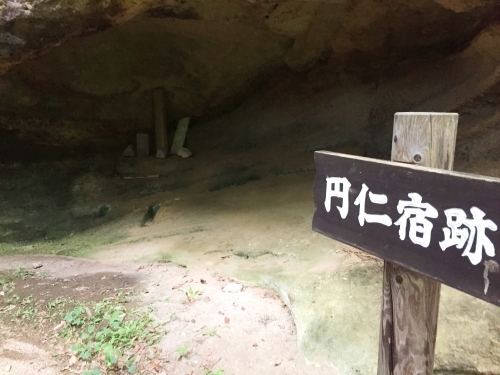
[
  {"x": 7, "y": 285},
  {"x": 209, "y": 331},
  {"x": 23, "y": 273},
  {"x": 182, "y": 351},
  {"x": 103, "y": 334},
  {"x": 5, "y": 280},
  {"x": 210, "y": 372},
  {"x": 55, "y": 303},
  {"x": 75, "y": 318},
  {"x": 14, "y": 299},
  {"x": 190, "y": 294},
  {"x": 109, "y": 333}
]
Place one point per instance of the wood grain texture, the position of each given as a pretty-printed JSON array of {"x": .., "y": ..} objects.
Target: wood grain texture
[
  {"x": 180, "y": 135},
  {"x": 440, "y": 188},
  {"x": 161, "y": 140},
  {"x": 407, "y": 339},
  {"x": 410, "y": 302}
]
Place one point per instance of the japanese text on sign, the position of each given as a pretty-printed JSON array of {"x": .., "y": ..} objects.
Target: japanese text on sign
[{"x": 416, "y": 219}]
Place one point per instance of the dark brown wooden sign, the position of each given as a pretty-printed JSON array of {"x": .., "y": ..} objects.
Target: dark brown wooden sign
[{"x": 439, "y": 223}]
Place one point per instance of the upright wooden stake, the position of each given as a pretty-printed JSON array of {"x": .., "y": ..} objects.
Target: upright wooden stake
[
  {"x": 410, "y": 301},
  {"x": 160, "y": 127},
  {"x": 180, "y": 135}
]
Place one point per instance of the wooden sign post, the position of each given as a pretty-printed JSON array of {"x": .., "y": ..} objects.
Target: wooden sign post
[
  {"x": 408, "y": 329},
  {"x": 430, "y": 225}
]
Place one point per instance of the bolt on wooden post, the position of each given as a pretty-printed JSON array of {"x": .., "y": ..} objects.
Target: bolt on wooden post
[{"x": 410, "y": 302}]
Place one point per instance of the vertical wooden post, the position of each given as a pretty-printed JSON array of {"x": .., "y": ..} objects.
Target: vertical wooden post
[
  {"x": 143, "y": 144},
  {"x": 180, "y": 135},
  {"x": 160, "y": 127},
  {"x": 410, "y": 300}
]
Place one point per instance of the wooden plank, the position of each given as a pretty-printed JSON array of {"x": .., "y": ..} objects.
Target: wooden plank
[
  {"x": 426, "y": 139},
  {"x": 444, "y": 134},
  {"x": 439, "y": 188},
  {"x": 180, "y": 135},
  {"x": 414, "y": 334},
  {"x": 407, "y": 338},
  {"x": 143, "y": 143},
  {"x": 160, "y": 125}
]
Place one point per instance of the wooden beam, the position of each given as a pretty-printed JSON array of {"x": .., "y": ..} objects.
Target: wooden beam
[
  {"x": 410, "y": 302},
  {"x": 160, "y": 126},
  {"x": 143, "y": 142},
  {"x": 180, "y": 135}
]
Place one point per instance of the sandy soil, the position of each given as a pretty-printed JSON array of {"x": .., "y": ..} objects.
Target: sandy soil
[{"x": 249, "y": 331}]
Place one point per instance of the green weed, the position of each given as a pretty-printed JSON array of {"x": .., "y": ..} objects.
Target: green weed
[
  {"x": 182, "y": 351},
  {"x": 190, "y": 294},
  {"x": 109, "y": 332},
  {"x": 209, "y": 331},
  {"x": 210, "y": 372},
  {"x": 23, "y": 273}
]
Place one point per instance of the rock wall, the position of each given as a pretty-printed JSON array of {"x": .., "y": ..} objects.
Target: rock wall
[{"x": 79, "y": 75}]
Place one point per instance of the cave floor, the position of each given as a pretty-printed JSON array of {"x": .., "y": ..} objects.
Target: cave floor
[{"x": 249, "y": 225}]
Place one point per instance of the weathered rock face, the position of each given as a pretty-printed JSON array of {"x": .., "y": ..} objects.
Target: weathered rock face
[{"x": 81, "y": 73}]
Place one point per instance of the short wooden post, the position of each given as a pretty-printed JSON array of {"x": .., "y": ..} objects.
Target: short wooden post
[
  {"x": 180, "y": 135},
  {"x": 160, "y": 127},
  {"x": 410, "y": 301},
  {"x": 143, "y": 143}
]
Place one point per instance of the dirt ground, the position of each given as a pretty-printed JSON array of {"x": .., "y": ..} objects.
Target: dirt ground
[{"x": 247, "y": 331}]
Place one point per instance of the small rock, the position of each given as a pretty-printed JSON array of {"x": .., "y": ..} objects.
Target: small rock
[
  {"x": 7, "y": 368},
  {"x": 60, "y": 325},
  {"x": 13, "y": 4},
  {"x": 129, "y": 152},
  {"x": 184, "y": 152},
  {"x": 102, "y": 210},
  {"x": 233, "y": 288},
  {"x": 226, "y": 320},
  {"x": 37, "y": 265}
]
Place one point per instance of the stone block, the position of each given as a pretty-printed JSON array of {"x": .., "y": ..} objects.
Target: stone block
[
  {"x": 183, "y": 152},
  {"x": 129, "y": 152}
]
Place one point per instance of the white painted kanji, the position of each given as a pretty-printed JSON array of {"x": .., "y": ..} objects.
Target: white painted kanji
[
  {"x": 462, "y": 230},
  {"x": 337, "y": 187},
  {"x": 416, "y": 213},
  {"x": 374, "y": 198}
]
